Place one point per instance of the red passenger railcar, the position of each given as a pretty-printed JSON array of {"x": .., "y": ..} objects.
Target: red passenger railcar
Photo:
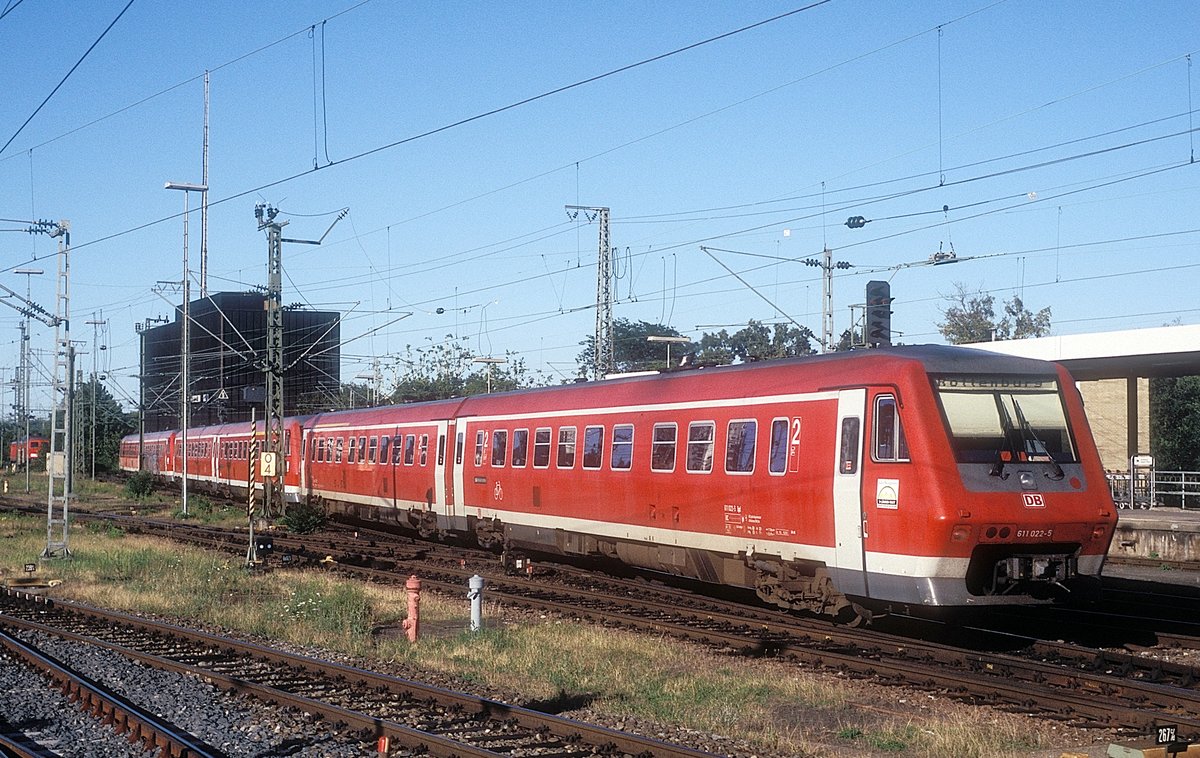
[{"x": 928, "y": 476}]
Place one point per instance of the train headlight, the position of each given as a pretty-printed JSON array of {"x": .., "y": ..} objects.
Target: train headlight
[
  {"x": 960, "y": 533},
  {"x": 1099, "y": 532}
]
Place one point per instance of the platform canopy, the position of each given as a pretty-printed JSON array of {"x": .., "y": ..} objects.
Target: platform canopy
[
  {"x": 1129, "y": 354},
  {"x": 1159, "y": 351}
]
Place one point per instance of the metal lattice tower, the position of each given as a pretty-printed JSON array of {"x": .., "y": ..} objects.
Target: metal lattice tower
[
  {"x": 58, "y": 500},
  {"x": 273, "y": 458},
  {"x": 273, "y": 360},
  {"x": 603, "y": 346}
]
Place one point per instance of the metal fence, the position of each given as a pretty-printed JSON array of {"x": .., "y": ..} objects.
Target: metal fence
[{"x": 1155, "y": 489}]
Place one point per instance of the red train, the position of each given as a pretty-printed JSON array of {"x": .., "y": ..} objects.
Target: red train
[
  {"x": 28, "y": 448},
  {"x": 930, "y": 475}
]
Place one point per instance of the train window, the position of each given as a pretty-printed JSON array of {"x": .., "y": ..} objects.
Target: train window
[
  {"x": 480, "y": 441},
  {"x": 622, "y": 448},
  {"x": 662, "y": 452},
  {"x": 397, "y": 449},
  {"x": 337, "y": 454},
  {"x": 739, "y": 447},
  {"x": 362, "y": 449},
  {"x": 700, "y": 446},
  {"x": 350, "y": 453},
  {"x": 441, "y": 459},
  {"x": 318, "y": 446},
  {"x": 520, "y": 448},
  {"x": 593, "y": 447},
  {"x": 566, "y": 447},
  {"x": 458, "y": 448},
  {"x": 410, "y": 447},
  {"x": 499, "y": 447},
  {"x": 373, "y": 449},
  {"x": 779, "y": 446},
  {"x": 889, "y": 441},
  {"x": 541, "y": 448},
  {"x": 384, "y": 442},
  {"x": 424, "y": 449},
  {"x": 848, "y": 455}
]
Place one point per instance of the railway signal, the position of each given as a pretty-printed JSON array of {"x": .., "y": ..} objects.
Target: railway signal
[{"x": 879, "y": 314}]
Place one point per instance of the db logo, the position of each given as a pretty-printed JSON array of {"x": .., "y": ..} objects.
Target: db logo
[{"x": 1034, "y": 501}]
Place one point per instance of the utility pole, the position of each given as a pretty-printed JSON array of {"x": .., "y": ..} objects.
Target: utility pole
[
  {"x": 141, "y": 329},
  {"x": 204, "y": 203},
  {"x": 603, "y": 347},
  {"x": 58, "y": 459},
  {"x": 23, "y": 390},
  {"x": 827, "y": 265},
  {"x": 273, "y": 459},
  {"x": 58, "y": 463},
  {"x": 185, "y": 338},
  {"x": 95, "y": 324}
]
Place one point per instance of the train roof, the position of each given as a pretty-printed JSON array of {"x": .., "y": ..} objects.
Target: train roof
[
  {"x": 762, "y": 378},
  {"x": 785, "y": 375}
]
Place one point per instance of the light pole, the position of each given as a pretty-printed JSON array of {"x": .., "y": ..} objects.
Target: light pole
[
  {"x": 185, "y": 334},
  {"x": 95, "y": 324},
  {"x": 668, "y": 340},
  {"x": 490, "y": 362},
  {"x": 24, "y": 389}
]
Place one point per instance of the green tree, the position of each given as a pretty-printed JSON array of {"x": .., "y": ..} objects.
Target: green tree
[
  {"x": 110, "y": 425},
  {"x": 756, "y": 342},
  {"x": 449, "y": 369},
  {"x": 632, "y": 351},
  {"x": 971, "y": 317},
  {"x": 1175, "y": 423}
]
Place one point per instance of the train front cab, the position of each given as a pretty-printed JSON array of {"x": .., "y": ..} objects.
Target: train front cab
[{"x": 974, "y": 489}]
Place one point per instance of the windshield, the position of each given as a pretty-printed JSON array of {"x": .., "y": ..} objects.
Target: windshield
[{"x": 999, "y": 419}]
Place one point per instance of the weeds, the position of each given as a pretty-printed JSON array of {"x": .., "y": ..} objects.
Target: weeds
[
  {"x": 140, "y": 485},
  {"x": 304, "y": 518}
]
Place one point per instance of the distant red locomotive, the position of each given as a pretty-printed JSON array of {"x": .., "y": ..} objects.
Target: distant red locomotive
[
  {"x": 28, "y": 449},
  {"x": 928, "y": 476}
]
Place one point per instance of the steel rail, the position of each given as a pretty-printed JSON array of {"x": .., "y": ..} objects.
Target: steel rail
[{"x": 110, "y": 707}]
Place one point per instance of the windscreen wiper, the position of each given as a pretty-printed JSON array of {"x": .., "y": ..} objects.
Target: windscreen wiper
[
  {"x": 1006, "y": 425},
  {"x": 1028, "y": 435}
]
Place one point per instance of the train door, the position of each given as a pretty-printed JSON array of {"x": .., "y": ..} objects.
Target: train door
[
  {"x": 848, "y": 521},
  {"x": 441, "y": 504},
  {"x": 446, "y": 458},
  {"x": 393, "y": 463},
  {"x": 460, "y": 433}
]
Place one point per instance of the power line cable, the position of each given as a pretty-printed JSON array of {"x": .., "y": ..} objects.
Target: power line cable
[
  {"x": 68, "y": 75},
  {"x": 470, "y": 119}
]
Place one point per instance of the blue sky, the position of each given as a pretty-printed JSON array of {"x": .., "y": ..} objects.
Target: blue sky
[{"x": 1056, "y": 134}]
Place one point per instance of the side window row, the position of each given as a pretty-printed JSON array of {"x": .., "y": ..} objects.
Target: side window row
[
  {"x": 493, "y": 447},
  {"x": 401, "y": 449}
]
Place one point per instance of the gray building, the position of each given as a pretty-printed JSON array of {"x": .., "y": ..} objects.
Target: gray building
[{"x": 228, "y": 338}]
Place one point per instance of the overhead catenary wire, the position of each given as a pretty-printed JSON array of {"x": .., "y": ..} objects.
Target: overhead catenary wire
[{"x": 63, "y": 81}]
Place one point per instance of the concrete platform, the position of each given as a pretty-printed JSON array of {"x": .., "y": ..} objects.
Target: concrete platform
[{"x": 1171, "y": 535}]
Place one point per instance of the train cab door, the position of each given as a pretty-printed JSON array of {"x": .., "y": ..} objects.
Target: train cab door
[{"x": 848, "y": 519}]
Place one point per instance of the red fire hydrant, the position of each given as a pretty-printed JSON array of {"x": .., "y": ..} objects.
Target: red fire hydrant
[{"x": 413, "y": 622}]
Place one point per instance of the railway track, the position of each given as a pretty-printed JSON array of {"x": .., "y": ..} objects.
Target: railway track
[
  {"x": 402, "y": 714},
  {"x": 1090, "y": 687},
  {"x": 1057, "y": 680},
  {"x": 106, "y": 705}
]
